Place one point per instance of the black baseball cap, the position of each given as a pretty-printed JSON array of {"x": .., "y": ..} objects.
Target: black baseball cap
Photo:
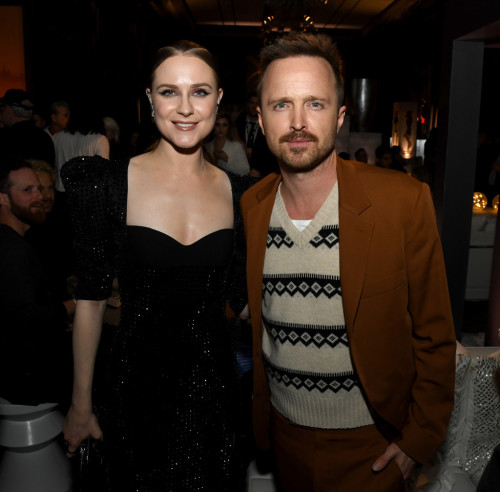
[{"x": 17, "y": 97}]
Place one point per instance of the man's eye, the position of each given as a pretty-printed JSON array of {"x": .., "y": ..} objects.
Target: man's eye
[{"x": 280, "y": 106}]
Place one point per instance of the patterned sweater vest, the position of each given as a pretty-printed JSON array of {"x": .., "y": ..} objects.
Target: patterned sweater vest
[{"x": 305, "y": 344}]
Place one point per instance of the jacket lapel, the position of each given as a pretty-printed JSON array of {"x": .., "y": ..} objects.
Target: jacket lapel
[
  {"x": 258, "y": 218},
  {"x": 355, "y": 228}
]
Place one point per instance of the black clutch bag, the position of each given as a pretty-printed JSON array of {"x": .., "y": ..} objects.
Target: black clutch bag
[{"x": 90, "y": 475}]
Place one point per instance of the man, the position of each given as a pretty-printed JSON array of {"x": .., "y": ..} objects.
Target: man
[
  {"x": 33, "y": 327},
  {"x": 21, "y": 137},
  {"x": 262, "y": 161},
  {"x": 353, "y": 337},
  {"x": 52, "y": 240},
  {"x": 361, "y": 156},
  {"x": 384, "y": 158},
  {"x": 46, "y": 176},
  {"x": 59, "y": 114}
]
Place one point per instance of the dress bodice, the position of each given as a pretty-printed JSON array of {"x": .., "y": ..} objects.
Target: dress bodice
[{"x": 150, "y": 248}]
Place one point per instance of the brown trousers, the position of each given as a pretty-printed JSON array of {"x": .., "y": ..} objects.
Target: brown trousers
[{"x": 317, "y": 460}]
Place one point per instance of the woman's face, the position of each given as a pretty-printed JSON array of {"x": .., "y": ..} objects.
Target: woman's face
[
  {"x": 221, "y": 127},
  {"x": 184, "y": 95}
]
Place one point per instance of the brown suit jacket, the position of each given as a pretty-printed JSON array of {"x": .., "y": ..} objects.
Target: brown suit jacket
[{"x": 395, "y": 300}]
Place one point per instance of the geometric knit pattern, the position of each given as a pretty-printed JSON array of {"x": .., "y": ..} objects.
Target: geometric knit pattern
[
  {"x": 302, "y": 284},
  {"x": 327, "y": 236},
  {"x": 308, "y": 381},
  {"x": 305, "y": 335},
  {"x": 276, "y": 236},
  {"x": 305, "y": 344}
]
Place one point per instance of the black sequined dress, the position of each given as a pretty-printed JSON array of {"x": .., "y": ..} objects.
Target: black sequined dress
[{"x": 170, "y": 411}]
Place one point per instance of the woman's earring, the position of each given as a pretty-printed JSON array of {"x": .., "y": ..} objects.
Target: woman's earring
[{"x": 151, "y": 102}]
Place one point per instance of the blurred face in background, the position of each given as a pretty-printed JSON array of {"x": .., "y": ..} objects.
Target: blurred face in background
[
  {"x": 221, "y": 128},
  {"x": 60, "y": 119},
  {"x": 385, "y": 161},
  {"x": 25, "y": 197},
  {"x": 47, "y": 190},
  {"x": 252, "y": 104}
]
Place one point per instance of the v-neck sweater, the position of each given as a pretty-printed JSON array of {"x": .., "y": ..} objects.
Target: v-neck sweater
[{"x": 305, "y": 344}]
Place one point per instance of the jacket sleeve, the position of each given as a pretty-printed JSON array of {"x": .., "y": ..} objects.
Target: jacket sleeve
[{"x": 433, "y": 336}]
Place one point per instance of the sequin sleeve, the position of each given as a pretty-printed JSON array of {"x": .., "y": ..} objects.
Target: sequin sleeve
[
  {"x": 237, "y": 291},
  {"x": 87, "y": 183}
]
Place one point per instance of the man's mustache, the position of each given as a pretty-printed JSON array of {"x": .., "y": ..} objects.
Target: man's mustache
[{"x": 301, "y": 135}]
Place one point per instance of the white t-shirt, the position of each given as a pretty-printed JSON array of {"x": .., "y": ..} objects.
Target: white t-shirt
[
  {"x": 68, "y": 145},
  {"x": 237, "y": 161}
]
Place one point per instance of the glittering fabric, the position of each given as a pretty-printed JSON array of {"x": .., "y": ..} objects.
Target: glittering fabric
[
  {"x": 473, "y": 430},
  {"x": 170, "y": 412}
]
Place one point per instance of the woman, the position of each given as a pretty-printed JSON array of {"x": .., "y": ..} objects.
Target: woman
[
  {"x": 227, "y": 149},
  {"x": 169, "y": 222},
  {"x": 85, "y": 136}
]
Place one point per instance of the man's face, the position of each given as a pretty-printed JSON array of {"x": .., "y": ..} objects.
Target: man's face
[
  {"x": 61, "y": 118},
  {"x": 299, "y": 114},
  {"x": 47, "y": 190},
  {"x": 25, "y": 197},
  {"x": 386, "y": 160},
  {"x": 252, "y": 104}
]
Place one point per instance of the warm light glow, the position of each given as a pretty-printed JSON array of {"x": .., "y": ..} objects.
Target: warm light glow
[
  {"x": 404, "y": 128},
  {"x": 494, "y": 202},
  {"x": 479, "y": 200}
]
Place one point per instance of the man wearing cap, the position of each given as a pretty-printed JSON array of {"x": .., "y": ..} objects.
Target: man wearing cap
[{"x": 21, "y": 137}]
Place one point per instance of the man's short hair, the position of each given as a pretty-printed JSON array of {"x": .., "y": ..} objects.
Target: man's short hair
[
  {"x": 304, "y": 44},
  {"x": 7, "y": 166},
  {"x": 54, "y": 107},
  {"x": 43, "y": 167}
]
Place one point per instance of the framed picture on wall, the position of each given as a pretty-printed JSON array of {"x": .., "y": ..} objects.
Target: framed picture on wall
[{"x": 12, "y": 62}]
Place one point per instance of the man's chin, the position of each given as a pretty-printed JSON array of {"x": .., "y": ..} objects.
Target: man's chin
[{"x": 296, "y": 165}]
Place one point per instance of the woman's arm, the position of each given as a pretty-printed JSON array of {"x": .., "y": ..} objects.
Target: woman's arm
[{"x": 81, "y": 422}]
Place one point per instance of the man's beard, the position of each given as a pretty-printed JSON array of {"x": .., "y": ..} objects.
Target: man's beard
[
  {"x": 34, "y": 214},
  {"x": 293, "y": 160}
]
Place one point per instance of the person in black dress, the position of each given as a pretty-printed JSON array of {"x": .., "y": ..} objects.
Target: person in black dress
[{"x": 168, "y": 223}]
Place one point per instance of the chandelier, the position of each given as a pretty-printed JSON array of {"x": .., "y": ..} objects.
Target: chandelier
[{"x": 288, "y": 15}]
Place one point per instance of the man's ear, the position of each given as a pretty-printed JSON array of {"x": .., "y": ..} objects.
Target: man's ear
[
  {"x": 260, "y": 120},
  {"x": 340, "y": 117},
  {"x": 4, "y": 200}
]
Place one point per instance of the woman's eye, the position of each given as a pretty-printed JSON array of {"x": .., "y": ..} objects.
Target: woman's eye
[
  {"x": 201, "y": 92},
  {"x": 167, "y": 92}
]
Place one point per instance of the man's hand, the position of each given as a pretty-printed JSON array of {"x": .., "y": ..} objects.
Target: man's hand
[{"x": 393, "y": 452}]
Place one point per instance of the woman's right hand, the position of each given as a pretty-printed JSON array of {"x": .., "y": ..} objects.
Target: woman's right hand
[{"x": 78, "y": 425}]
